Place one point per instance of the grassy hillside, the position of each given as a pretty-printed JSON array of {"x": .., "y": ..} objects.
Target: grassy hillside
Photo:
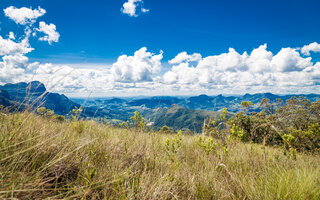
[{"x": 42, "y": 158}]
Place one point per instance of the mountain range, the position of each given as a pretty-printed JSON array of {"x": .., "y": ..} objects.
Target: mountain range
[
  {"x": 33, "y": 95},
  {"x": 175, "y": 112}
]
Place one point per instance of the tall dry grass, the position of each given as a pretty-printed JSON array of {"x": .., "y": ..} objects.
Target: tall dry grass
[{"x": 44, "y": 159}]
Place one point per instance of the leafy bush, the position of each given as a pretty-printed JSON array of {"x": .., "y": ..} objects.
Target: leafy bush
[
  {"x": 172, "y": 146},
  {"x": 166, "y": 130},
  {"x": 238, "y": 133},
  {"x": 294, "y": 124},
  {"x": 306, "y": 140},
  {"x": 59, "y": 118},
  {"x": 207, "y": 145},
  {"x": 216, "y": 128},
  {"x": 45, "y": 112}
]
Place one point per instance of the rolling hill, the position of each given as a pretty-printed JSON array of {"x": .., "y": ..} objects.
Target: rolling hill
[{"x": 177, "y": 118}]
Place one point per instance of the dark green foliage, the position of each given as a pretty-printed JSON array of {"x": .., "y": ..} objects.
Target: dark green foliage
[
  {"x": 294, "y": 124},
  {"x": 306, "y": 140}
]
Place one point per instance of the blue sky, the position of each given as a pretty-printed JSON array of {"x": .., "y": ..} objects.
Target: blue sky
[{"x": 96, "y": 33}]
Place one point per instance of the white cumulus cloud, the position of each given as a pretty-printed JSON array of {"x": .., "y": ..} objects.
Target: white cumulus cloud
[
  {"x": 11, "y": 36},
  {"x": 232, "y": 72},
  {"x": 24, "y": 15},
  {"x": 260, "y": 60},
  {"x": 184, "y": 57},
  {"x": 132, "y": 7},
  {"x": 50, "y": 30},
  {"x": 67, "y": 79},
  {"x": 315, "y": 47},
  {"x": 9, "y": 47},
  {"x": 137, "y": 68},
  {"x": 12, "y": 67},
  {"x": 288, "y": 60}
]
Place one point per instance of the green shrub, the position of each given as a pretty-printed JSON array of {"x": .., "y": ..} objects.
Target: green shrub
[
  {"x": 294, "y": 124},
  {"x": 59, "y": 118},
  {"x": 306, "y": 140},
  {"x": 136, "y": 123},
  {"x": 166, "y": 130},
  {"x": 42, "y": 111},
  {"x": 172, "y": 146},
  {"x": 207, "y": 145},
  {"x": 216, "y": 129},
  {"x": 237, "y": 132}
]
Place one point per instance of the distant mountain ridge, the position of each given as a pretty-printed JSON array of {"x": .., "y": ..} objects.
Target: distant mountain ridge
[
  {"x": 201, "y": 102},
  {"x": 36, "y": 95},
  {"x": 181, "y": 112},
  {"x": 176, "y": 112}
]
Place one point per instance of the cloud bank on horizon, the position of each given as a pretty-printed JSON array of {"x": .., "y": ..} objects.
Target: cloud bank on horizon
[{"x": 290, "y": 70}]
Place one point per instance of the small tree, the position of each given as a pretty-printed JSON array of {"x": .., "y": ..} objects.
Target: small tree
[
  {"x": 223, "y": 116},
  {"x": 166, "y": 130},
  {"x": 49, "y": 113},
  {"x": 246, "y": 105},
  {"x": 41, "y": 111}
]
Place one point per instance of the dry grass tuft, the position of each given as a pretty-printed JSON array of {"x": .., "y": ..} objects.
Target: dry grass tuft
[{"x": 46, "y": 159}]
